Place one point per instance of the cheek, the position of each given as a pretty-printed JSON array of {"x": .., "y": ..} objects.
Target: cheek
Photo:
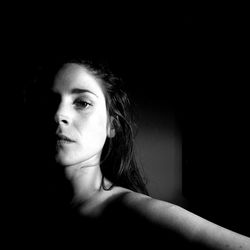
[
  {"x": 94, "y": 129},
  {"x": 99, "y": 130}
]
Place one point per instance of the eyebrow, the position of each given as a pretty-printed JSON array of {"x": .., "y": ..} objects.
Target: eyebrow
[{"x": 80, "y": 91}]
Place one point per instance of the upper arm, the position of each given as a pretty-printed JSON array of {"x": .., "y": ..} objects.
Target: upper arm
[{"x": 186, "y": 224}]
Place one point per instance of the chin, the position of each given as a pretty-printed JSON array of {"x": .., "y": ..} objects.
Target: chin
[{"x": 64, "y": 161}]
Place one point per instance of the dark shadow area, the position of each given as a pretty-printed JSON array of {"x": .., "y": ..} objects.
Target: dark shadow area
[{"x": 215, "y": 124}]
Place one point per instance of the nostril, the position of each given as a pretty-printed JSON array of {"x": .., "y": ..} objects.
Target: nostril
[
  {"x": 63, "y": 121},
  {"x": 59, "y": 119}
]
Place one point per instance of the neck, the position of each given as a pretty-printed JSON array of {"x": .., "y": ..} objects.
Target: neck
[{"x": 86, "y": 182}]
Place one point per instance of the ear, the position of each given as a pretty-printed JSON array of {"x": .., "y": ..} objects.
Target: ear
[{"x": 110, "y": 128}]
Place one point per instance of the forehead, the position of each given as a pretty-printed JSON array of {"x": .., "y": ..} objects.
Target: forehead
[{"x": 73, "y": 76}]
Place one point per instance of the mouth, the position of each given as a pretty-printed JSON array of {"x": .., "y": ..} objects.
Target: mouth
[{"x": 62, "y": 139}]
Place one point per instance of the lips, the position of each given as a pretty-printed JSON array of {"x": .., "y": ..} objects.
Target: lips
[{"x": 62, "y": 139}]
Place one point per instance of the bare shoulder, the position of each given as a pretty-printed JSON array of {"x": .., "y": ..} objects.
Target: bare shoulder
[
  {"x": 122, "y": 207},
  {"x": 160, "y": 213},
  {"x": 185, "y": 224},
  {"x": 146, "y": 205},
  {"x": 139, "y": 200}
]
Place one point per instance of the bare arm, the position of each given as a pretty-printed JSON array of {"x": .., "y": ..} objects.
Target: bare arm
[{"x": 186, "y": 224}]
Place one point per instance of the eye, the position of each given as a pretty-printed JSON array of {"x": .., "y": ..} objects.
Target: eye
[{"x": 81, "y": 104}]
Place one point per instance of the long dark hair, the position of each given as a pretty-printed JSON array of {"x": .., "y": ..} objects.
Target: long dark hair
[{"x": 118, "y": 160}]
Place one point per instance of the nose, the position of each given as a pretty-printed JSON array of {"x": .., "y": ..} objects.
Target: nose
[
  {"x": 61, "y": 120},
  {"x": 62, "y": 116}
]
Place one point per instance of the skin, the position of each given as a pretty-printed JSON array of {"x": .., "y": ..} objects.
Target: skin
[{"x": 83, "y": 117}]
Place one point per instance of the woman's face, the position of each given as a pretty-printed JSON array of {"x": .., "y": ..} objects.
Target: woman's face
[{"x": 81, "y": 116}]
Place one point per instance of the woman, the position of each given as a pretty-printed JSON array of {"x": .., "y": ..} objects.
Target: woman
[{"x": 97, "y": 194}]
